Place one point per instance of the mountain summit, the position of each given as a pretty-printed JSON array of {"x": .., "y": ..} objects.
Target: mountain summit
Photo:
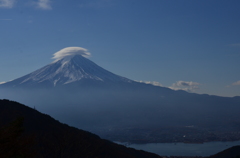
[
  {"x": 68, "y": 69},
  {"x": 79, "y": 92}
]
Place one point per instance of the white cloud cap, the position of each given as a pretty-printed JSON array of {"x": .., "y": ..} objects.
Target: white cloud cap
[
  {"x": 7, "y": 3},
  {"x": 71, "y": 51}
]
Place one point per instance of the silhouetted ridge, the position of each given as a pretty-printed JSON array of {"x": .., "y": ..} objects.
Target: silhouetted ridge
[
  {"x": 233, "y": 152},
  {"x": 56, "y": 140}
]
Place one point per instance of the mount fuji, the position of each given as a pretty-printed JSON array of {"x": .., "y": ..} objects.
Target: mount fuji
[
  {"x": 80, "y": 93},
  {"x": 70, "y": 69}
]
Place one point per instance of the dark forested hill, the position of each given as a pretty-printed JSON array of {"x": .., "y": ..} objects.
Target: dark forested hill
[
  {"x": 26, "y": 132},
  {"x": 233, "y": 152}
]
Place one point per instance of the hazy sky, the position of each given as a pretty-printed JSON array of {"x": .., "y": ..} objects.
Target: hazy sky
[{"x": 190, "y": 44}]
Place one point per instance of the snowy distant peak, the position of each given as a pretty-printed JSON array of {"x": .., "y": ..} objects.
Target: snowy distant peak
[
  {"x": 73, "y": 59},
  {"x": 68, "y": 69},
  {"x": 70, "y": 52},
  {"x": 82, "y": 67},
  {"x": 66, "y": 59}
]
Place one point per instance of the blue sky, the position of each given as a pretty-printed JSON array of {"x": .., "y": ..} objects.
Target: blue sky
[{"x": 181, "y": 44}]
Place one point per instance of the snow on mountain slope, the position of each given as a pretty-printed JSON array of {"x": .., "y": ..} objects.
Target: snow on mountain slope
[{"x": 67, "y": 70}]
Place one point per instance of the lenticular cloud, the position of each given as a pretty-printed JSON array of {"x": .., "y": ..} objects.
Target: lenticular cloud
[{"x": 71, "y": 51}]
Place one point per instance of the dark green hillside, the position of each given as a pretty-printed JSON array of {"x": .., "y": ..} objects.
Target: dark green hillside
[{"x": 42, "y": 136}]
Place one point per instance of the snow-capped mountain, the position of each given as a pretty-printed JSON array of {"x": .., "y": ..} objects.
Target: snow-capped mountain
[
  {"x": 81, "y": 93},
  {"x": 67, "y": 70}
]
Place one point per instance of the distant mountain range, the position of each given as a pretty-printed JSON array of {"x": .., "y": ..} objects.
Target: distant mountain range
[{"x": 78, "y": 92}]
